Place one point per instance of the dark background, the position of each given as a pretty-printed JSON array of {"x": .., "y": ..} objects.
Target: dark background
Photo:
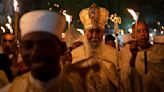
[{"x": 150, "y": 11}]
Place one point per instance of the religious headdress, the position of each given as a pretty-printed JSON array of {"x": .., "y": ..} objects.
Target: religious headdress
[{"x": 94, "y": 17}]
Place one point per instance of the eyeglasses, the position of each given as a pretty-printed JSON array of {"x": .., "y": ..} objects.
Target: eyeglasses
[{"x": 5, "y": 40}]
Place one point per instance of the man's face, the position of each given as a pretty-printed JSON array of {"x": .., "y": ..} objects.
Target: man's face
[
  {"x": 7, "y": 43},
  {"x": 142, "y": 34},
  {"x": 41, "y": 53},
  {"x": 94, "y": 36}
]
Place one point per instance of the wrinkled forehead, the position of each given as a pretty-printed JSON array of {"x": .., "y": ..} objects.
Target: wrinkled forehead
[{"x": 140, "y": 27}]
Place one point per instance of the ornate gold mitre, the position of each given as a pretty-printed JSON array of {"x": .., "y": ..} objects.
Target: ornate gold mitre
[{"x": 94, "y": 17}]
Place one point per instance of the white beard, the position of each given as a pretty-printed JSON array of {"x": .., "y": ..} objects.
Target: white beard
[
  {"x": 93, "y": 44},
  {"x": 93, "y": 49}
]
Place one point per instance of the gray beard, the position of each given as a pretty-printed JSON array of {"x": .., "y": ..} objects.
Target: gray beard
[
  {"x": 93, "y": 45},
  {"x": 93, "y": 50}
]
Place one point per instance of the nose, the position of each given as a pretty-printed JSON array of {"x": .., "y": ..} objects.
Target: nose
[
  {"x": 35, "y": 50},
  {"x": 8, "y": 43},
  {"x": 143, "y": 33},
  {"x": 94, "y": 35}
]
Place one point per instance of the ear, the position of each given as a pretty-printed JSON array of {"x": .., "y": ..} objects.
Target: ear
[{"x": 63, "y": 47}]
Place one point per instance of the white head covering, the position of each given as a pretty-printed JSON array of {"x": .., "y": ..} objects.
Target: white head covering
[
  {"x": 158, "y": 39},
  {"x": 42, "y": 20},
  {"x": 127, "y": 38}
]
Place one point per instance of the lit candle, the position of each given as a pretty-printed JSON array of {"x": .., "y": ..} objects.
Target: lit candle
[
  {"x": 68, "y": 18},
  {"x": 69, "y": 31},
  {"x": 135, "y": 17},
  {"x": 8, "y": 24},
  {"x": 9, "y": 19},
  {"x": 3, "y": 29},
  {"x": 16, "y": 9}
]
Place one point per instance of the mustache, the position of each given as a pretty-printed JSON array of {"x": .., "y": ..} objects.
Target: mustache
[{"x": 7, "y": 47}]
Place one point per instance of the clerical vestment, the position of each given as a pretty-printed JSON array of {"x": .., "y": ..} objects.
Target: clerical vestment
[
  {"x": 148, "y": 73},
  {"x": 98, "y": 72},
  {"x": 27, "y": 83}
]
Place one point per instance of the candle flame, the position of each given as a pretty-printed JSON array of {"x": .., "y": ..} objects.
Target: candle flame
[
  {"x": 133, "y": 13},
  {"x": 9, "y": 19},
  {"x": 9, "y": 27},
  {"x": 3, "y": 29},
  {"x": 15, "y": 4},
  {"x": 68, "y": 17},
  {"x": 81, "y": 31}
]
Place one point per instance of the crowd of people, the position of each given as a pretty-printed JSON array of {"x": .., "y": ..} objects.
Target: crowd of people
[{"x": 44, "y": 63}]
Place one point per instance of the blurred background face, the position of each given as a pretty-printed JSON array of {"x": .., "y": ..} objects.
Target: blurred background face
[
  {"x": 94, "y": 36},
  {"x": 41, "y": 53},
  {"x": 7, "y": 43},
  {"x": 109, "y": 40},
  {"x": 110, "y": 43},
  {"x": 142, "y": 34}
]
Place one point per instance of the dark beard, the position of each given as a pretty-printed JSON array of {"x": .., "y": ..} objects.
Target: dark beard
[{"x": 7, "y": 50}]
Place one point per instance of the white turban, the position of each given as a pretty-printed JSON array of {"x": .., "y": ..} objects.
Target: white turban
[{"x": 42, "y": 20}]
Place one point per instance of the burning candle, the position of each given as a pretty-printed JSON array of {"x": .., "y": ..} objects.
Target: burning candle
[
  {"x": 8, "y": 24},
  {"x": 69, "y": 31},
  {"x": 3, "y": 29},
  {"x": 135, "y": 17},
  {"x": 16, "y": 9},
  {"x": 68, "y": 17},
  {"x": 9, "y": 19}
]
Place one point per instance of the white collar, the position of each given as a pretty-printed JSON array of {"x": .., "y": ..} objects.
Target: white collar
[{"x": 43, "y": 85}]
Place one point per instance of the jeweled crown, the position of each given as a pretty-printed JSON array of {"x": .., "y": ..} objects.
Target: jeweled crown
[{"x": 94, "y": 17}]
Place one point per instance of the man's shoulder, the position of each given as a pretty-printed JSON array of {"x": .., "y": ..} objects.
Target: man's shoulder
[
  {"x": 108, "y": 48},
  {"x": 78, "y": 53},
  {"x": 21, "y": 78},
  {"x": 157, "y": 50},
  {"x": 17, "y": 84},
  {"x": 158, "y": 46}
]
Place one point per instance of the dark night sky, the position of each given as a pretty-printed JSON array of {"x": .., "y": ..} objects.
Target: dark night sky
[{"x": 150, "y": 11}]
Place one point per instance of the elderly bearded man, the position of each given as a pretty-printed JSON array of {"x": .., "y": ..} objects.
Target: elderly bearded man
[{"x": 94, "y": 60}]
